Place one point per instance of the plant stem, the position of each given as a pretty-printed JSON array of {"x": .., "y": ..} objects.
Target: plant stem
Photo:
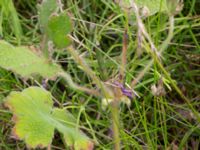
[
  {"x": 115, "y": 124},
  {"x": 79, "y": 60},
  {"x": 44, "y": 47},
  {"x": 73, "y": 85},
  {"x": 114, "y": 106},
  {"x": 124, "y": 53},
  {"x": 166, "y": 43}
]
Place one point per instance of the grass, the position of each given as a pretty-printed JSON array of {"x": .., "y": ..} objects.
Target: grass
[{"x": 150, "y": 122}]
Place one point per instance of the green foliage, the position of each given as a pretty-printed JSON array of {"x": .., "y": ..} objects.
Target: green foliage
[
  {"x": 58, "y": 28},
  {"x": 25, "y": 62},
  {"x": 9, "y": 13},
  {"x": 45, "y": 10},
  {"x": 71, "y": 135},
  {"x": 149, "y": 6},
  {"x": 174, "y": 6},
  {"x": 154, "y": 6},
  {"x": 36, "y": 119},
  {"x": 150, "y": 121},
  {"x": 56, "y": 25}
]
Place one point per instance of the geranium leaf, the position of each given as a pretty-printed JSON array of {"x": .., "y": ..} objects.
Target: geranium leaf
[
  {"x": 25, "y": 62},
  {"x": 36, "y": 119},
  {"x": 72, "y": 136},
  {"x": 58, "y": 28},
  {"x": 31, "y": 109}
]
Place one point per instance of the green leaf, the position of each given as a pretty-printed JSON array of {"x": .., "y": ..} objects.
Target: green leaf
[
  {"x": 58, "y": 28},
  {"x": 25, "y": 62},
  {"x": 174, "y": 6},
  {"x": 72, "y": 136},
  {"x": 31, "y": 109},
  {"x": 36, "y": 119},
  {"x": 151, "y": 6},
  {"x": 154, "y": 6},
  {"x": 45, "y": 10}
]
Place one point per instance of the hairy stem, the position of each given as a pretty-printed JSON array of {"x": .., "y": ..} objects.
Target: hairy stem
[
  {"x": 79, "y": 60},
  {"x": 73, "y": 85},
  {"x": 124, "y": 53},
  {"x": 115, "y": 124},
  {"x": 85, "y": 67}
]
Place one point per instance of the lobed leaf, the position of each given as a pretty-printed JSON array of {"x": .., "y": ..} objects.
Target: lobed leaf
[
  {"x": 25, "y": 62},
  {"x": 36, "y": 119},
  {"x": 72, "y": 136},
  {"x": 31, "y": 109}
]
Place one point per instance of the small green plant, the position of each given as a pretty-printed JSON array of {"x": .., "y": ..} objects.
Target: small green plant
[
  {"x": 33, "y": 112},
  {"x": 36, "y": 119}
]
